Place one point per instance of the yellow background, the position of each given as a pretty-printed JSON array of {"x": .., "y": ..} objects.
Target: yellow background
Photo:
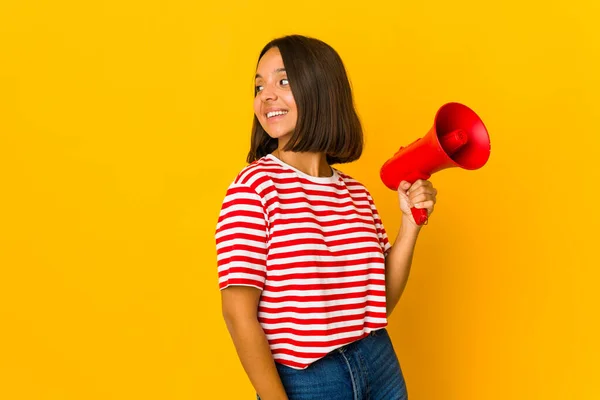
[{"x": 122, "y": 123}]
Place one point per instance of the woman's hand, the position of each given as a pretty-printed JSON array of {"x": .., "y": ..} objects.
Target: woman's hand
[{"x": 420, "y": 194}]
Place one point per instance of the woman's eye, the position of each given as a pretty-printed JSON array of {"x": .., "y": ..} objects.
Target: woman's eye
[
  {"x": 258, "y": 88},
  {"x": 284, "y": 82}
]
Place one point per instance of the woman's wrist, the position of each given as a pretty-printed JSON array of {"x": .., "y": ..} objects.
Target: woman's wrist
[{"x": 409, "y": 227}]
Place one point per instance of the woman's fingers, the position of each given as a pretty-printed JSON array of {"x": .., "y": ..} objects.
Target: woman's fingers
[
  {"x": 421, "y": 194},
  {"x": 418, "y": 184},
  {"x": 429, "y": 205},
  {"x": 418, "y": 198}
]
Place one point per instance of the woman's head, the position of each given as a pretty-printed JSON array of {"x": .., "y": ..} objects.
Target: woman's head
[{"x": 303, "y": 97}]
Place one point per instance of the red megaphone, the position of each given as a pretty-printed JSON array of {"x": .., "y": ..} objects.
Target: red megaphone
[{"x": 458, "y": 138}]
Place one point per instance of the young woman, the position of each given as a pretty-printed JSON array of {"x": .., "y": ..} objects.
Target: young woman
[{"x": 306, "y": 271}]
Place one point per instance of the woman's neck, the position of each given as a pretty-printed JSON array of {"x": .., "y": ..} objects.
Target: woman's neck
[{"x": 314, "y": 164}]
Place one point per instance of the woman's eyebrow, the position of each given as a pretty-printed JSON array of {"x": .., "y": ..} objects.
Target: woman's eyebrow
[{"x": 277, "y": 70}]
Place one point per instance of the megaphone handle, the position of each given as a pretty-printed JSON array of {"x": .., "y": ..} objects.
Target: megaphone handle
[{"x": 420, "y": 215}]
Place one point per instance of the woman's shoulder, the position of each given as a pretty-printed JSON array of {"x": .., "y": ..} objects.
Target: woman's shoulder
[
  {"x": 253, "y": 174},
  {"x": 350, "y": 181}
]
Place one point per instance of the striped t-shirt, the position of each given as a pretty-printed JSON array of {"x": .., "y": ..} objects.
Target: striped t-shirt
[{"x": 315, "y": 246}]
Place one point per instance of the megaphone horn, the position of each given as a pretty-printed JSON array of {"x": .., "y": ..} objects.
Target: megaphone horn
[{"x": 458, "y": 138}]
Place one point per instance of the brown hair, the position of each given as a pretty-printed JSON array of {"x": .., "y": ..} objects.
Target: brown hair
[{"x": 327, "y": 121}]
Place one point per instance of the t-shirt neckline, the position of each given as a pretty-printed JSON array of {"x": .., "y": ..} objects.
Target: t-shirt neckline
[{"x": 318, "y": 179}]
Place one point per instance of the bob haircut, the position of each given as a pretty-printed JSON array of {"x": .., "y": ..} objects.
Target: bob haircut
[{"x": 327, "y": 121}]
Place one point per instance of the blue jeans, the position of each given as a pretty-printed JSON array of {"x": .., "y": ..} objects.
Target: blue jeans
[{"x": 367, "y": 369}]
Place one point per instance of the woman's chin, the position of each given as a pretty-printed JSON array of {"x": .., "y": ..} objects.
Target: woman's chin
[{"x": 278, "y": 135}]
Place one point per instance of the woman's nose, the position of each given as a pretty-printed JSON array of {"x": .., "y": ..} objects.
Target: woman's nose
[{"x": 268, "y": 93}]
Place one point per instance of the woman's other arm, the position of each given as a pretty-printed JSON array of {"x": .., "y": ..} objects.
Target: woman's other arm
[
  {"x": 240, "y": 311},
  {"x": 398, "y": 262}
]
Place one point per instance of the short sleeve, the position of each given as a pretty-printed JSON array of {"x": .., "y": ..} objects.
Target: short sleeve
[
  {"x": 381, "y": 233},
  {"x": 241, "y": 239}
]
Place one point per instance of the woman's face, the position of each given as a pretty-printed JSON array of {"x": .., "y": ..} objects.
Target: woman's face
[{"x": 274, "y": 103}]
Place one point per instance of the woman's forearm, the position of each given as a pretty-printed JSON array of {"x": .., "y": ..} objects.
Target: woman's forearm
[
  {"x": 253, "y": 350},
  {"x": 398, "y": 262}
]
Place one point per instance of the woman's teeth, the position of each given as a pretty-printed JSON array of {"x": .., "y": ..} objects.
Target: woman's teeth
[{"x": 275, "y": 113}]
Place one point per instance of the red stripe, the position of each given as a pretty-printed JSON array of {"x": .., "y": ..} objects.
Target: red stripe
[
  {"x": 325, "y": 332},
  {"x": 324, "y": 297},
  {"x": 248, "y": 172},
  {"x": 321, "y": 241},
  {"x": 317, "y": 253},
  {"x": 322, "y": 321},
  {"x": 300, "y": 354},
  {"x": 240, "y": 281},
  {"x": 301, "y": 220},
  {"x": 242, "y": 213},
  {"x": 348, "y": 231},
  {"x": 297, "y": 353},
  {"x": 340, "y": 263},
  {"x": 242, "y": 270},
  {"x": 240, "y": 225},
  {"x": 307, "y": 310},
  {"x": 240, "y": 259},
  {"x": 237, "y": 235},
  {"x": 248, "y": 175},
  {"x": 240, "y": 189},
  {"x": 329, "y": 343},
  {"x": 326, "y": 286},
  {"x": 257, "y": 250}
]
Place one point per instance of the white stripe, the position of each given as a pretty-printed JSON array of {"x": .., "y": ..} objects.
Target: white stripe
[
  {"x": 325, "y": 281},
  {"x": 231, "y": 220},
  {"x": 318, "y": 270},
  {"x": 323, "y": 218},
  {"x": 287, "y": 209},
  {"x": 300, "y": 199},
  {"x": 241, "y": 207},
  {"x": 238, "y": 264},
  {"x": 264, "y": 170},
  {"x": 249, "y": 277},
  {"x": 247, "y": 171},
  {"x": 282, "y": 238},
  {"x": 350, "y": 257},
  {"x": 241, "y": 195}
]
